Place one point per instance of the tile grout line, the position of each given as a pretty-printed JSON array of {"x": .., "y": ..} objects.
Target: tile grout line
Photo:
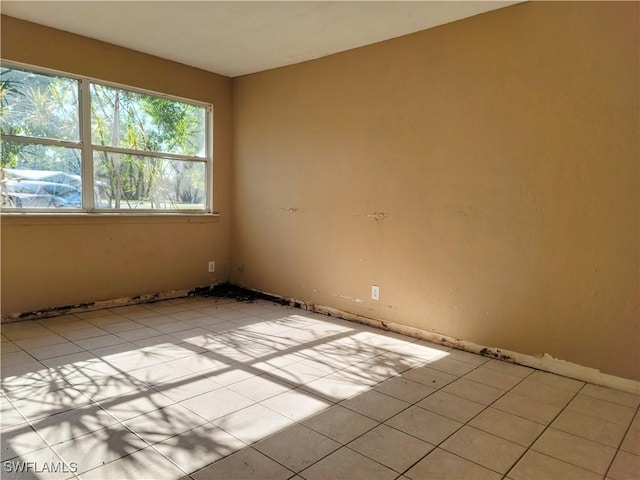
[
  {"x": 46, "y": 442},
  {"x": 595, "y": 418},
  {"x": 489, "y": 406},
  {"x": 423, "y": 364},
  {"x": 148, "y": 445},
  {"x": 334, "y": 403},
  {"x": 260, "y": 403},
  {"x": 622, "y": 441},
  {"x": 152, "y": 445},
  {"x": 404, "y": 473},
  {"x": 529, "y": 448},
  {"x": 96, "y": 404}
]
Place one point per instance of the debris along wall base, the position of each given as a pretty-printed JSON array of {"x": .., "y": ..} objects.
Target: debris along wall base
[{"x": 101, "y": 305}]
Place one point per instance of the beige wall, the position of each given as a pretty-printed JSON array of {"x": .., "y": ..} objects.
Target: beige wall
[
  {"x": 502, "y": 151},
  {"x": 48, "y": 262}
]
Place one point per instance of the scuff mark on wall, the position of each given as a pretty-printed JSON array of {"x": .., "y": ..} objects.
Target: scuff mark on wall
[
  {"x": 345, "y": 297},
  {"x": 378, "y": 217},
  {"x": 292, "y": 209}
]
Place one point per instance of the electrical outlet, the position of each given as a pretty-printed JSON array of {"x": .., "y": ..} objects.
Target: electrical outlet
[
  {"x": 212, "y": 267},
  {"x": 375, "y": 292}
]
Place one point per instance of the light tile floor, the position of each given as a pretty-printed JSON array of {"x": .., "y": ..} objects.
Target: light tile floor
[{"x": 205, "y": 388}]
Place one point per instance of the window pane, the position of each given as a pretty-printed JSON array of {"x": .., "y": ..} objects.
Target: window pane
[
  {"x": 40, "y": 176},
  {"x": 37, "y": 105},
  {"x": 138, "y": 182},
  {"x": 120, "y": 118}
]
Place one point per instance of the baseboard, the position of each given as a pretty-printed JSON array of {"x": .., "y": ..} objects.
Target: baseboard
[{"x": 100, "y": 305}]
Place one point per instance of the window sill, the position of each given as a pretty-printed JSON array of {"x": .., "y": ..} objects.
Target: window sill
[{"x": 26, "y": 219}]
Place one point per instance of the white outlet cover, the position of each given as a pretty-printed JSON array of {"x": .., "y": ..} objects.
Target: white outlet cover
[
  {"x": 212, "y": 266},
  {"x": 375, "y": 292}
]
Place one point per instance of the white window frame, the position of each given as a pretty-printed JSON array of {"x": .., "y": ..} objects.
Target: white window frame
[{"x": 87, "y": 148}]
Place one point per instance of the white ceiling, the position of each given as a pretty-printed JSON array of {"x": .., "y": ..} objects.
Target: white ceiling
[{"x": 240, "y": 37}]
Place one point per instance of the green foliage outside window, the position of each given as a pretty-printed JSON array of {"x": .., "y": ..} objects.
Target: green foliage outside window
[{"x": 148, "y": 152}]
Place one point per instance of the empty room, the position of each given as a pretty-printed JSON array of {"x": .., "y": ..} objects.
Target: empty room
[{"x": 317, "y": 240}]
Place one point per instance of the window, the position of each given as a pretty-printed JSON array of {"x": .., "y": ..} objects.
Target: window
[{"x": 73, "y": 144}]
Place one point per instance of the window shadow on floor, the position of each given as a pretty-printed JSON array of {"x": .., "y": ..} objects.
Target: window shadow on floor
[{"x": 172, "y": 404}]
